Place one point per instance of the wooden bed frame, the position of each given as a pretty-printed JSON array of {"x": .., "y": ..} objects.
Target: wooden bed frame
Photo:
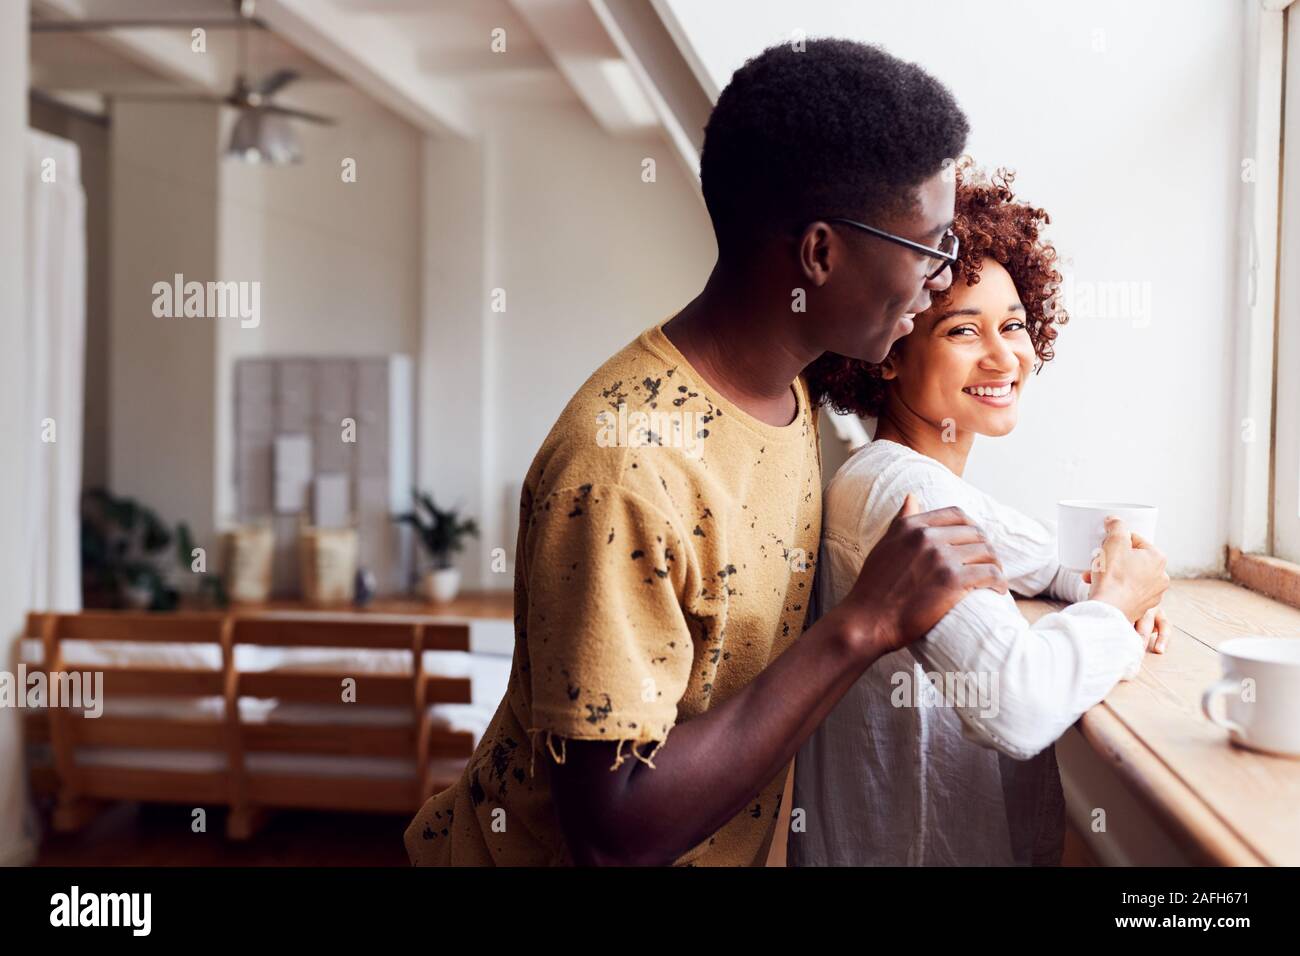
[{"x": 79, "y": 791}]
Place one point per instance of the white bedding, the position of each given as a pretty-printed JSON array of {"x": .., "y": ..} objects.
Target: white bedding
[
  {"x": 470, "y": 718},
  {"x": 488, "y": 673},
  {"x": 200, "y": 761}
]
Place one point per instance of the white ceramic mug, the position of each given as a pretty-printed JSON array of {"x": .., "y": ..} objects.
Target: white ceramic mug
[
  {"x": 1261, "y": 692},
  {"x": 1081, "y": 526}
]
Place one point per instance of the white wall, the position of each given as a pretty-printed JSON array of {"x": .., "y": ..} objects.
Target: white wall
[
  {"x": 1122, "y": 120},
  {"x": 588, "y": 256},
  {"x": 338, "y": 265},
  {"x": 547, "y": 207},
  {"x": 338, "y": 262},
  {"x": 453, "y": 402},
  {"x": 162, "y": 162}
]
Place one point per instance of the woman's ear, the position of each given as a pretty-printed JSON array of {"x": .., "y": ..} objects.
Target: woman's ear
[{"x": 889, "y": 367}]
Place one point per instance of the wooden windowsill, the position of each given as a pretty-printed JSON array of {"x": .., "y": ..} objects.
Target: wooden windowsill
[
  {"x": 1225, "y": 805},
  {"x": 1273, "y": 577}
]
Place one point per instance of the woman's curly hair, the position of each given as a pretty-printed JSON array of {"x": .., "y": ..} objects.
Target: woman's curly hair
[{"x": 988, "y": 221}]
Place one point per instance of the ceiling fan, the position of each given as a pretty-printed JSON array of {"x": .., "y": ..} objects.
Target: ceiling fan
[{"x": 262, "y": 133}]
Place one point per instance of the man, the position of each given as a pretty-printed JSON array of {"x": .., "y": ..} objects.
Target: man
[{"x": 669, "y": 523}]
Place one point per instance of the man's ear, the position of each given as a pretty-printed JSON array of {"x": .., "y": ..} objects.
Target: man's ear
[{"x": 818, "y": 246}]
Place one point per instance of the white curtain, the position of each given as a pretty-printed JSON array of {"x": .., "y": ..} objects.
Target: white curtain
[
  {"x": 56, "y": 342},
  {"x": 55, "y": 335}
]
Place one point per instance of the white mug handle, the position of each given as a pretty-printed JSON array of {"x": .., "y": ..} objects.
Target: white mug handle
[{"x": 1227, "y": 685}]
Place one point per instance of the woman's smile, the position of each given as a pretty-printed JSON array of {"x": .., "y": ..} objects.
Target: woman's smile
[{"x": 999, "y": 394}]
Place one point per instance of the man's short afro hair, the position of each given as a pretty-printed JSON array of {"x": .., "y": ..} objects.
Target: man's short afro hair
[{"x": 837, "y": 128}]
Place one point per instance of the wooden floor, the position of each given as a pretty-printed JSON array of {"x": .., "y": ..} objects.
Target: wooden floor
[{"x": 133, "y": 834}]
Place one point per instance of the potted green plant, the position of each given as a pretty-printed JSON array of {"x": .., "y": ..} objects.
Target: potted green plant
[
  {"x": 442, "y": 533},
  {"x": 131, "y": 558}
]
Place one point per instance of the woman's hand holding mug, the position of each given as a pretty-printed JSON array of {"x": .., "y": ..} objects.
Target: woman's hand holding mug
[{"x": 1128, "y": 573}]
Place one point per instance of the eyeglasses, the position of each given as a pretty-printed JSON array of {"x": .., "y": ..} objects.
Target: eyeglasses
[{"x": 946, "y": 252}]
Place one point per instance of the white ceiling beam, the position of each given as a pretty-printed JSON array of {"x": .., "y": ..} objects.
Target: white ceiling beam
[
  {"x": 468, "y": 62},
  {"x": 377, "y": 58},
  {"x": 666, "y": 79},
  {"x": 89, "y": 105},
  {"x": 587, "y": 58},
  {"x": 167, "y": 51},
  {"x": 687, "y": 49}
]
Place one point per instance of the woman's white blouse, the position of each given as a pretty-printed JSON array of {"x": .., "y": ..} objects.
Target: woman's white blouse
[{"x": 941, "y": 753}]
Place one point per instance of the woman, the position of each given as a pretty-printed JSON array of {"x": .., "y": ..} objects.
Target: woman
[{"x": 942, "y": 753}]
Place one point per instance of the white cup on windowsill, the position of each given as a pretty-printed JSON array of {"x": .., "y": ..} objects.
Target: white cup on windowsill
[
  {"x": 1260, "y": 688},
  {"x": 1081, "y": 526}
]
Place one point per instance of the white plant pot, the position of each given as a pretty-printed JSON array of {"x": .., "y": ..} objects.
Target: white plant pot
[
  {"x": 441, "y": 586},
  {"x": 138, "y": 598}
]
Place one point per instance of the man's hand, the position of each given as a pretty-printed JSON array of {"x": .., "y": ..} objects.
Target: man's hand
[
  {"x": 1129, "y": 573},
  {"x": 916, "y": 573}
]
